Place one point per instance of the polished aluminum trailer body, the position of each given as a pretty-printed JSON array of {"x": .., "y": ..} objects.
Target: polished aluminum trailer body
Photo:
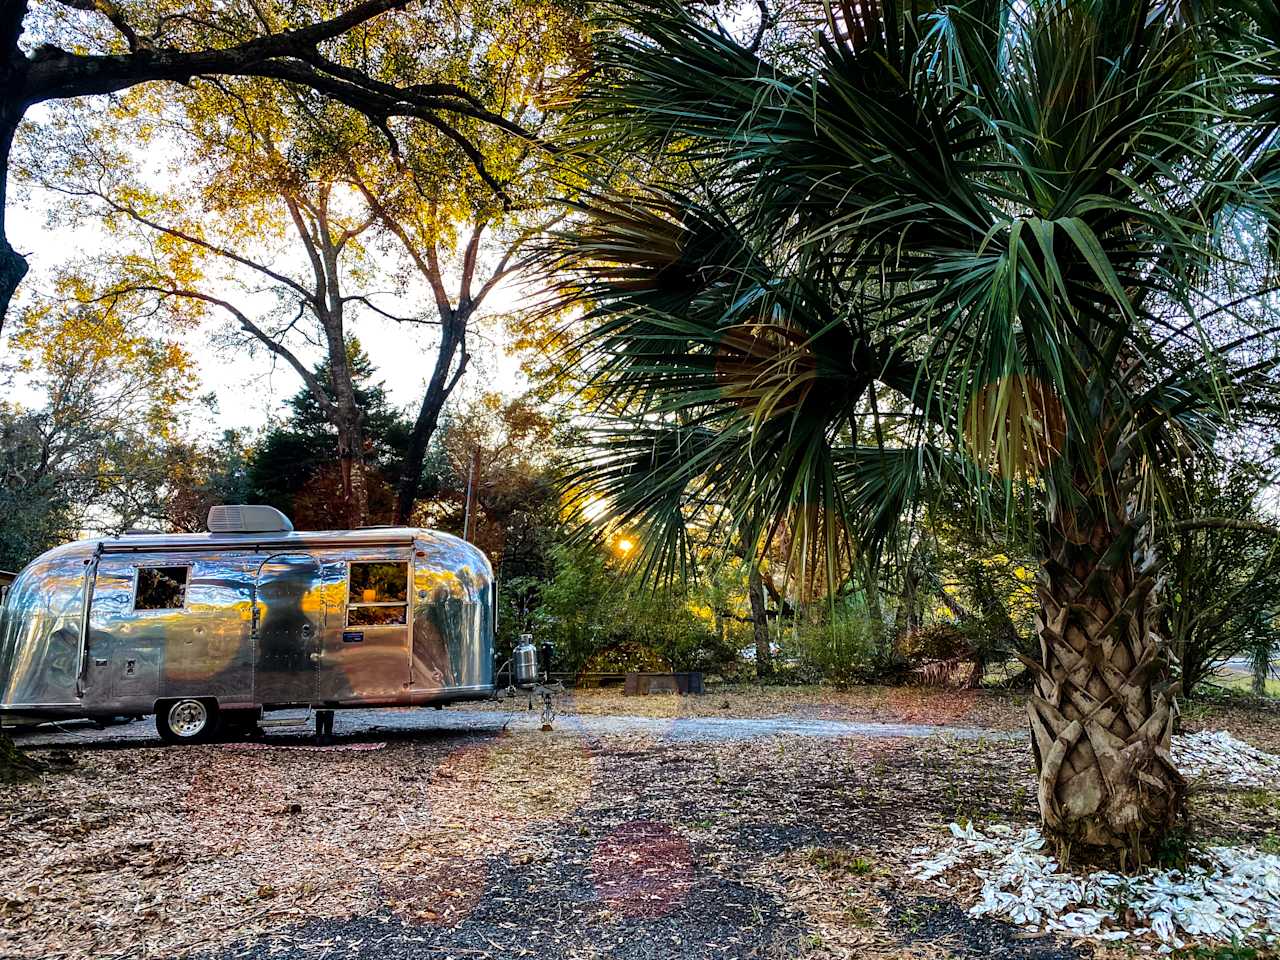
[{"x": 394, "y": 616}]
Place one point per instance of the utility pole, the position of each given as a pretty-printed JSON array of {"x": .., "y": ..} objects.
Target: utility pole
[{"x": 471, "y": 494}]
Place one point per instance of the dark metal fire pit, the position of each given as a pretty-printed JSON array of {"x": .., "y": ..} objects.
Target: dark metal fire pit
[{"x": 641, "y": 684}]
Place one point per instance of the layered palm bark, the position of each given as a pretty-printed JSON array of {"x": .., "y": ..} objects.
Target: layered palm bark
[{"x": 1103, "y": 708}]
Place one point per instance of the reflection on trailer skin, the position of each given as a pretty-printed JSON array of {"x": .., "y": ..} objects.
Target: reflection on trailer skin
[{"x": 244, "y": 620}]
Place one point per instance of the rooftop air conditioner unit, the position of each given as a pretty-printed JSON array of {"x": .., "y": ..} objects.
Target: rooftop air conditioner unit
[{"x": 247, "y": 518}]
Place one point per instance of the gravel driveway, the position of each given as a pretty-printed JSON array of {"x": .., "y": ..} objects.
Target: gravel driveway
[{"x": 366, "y": 724}]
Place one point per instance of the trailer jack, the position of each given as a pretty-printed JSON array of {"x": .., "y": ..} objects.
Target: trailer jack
[
  {"x": 543, "y": 692},
  {"x": 548, "y": 705}
]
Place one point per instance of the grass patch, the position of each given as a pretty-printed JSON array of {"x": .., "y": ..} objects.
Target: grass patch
[
  {"x": 1259, "y": 799},
  {"x": 840, "y": 861}
]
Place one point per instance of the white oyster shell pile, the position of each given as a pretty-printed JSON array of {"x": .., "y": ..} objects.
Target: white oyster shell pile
[
  {"x": 1218, "y": 756},
  {"x": 1234, "y": 896}
]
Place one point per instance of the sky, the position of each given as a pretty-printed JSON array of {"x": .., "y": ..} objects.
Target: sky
[{"x": 250, "y": 389}]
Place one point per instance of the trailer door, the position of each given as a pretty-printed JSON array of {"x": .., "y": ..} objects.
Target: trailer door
[
  {"x": 368, "y": 660},
  {"x": 288, "y": 613}
]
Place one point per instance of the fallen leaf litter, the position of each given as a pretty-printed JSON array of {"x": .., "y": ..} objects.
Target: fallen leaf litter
[
  {"x": 1223, "y": 895},
  {"x": 158, "y": 853}
]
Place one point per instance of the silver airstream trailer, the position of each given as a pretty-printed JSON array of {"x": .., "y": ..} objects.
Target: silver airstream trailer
[{"x": 250, "y": 617}]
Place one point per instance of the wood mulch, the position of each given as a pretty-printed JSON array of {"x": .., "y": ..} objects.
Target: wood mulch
[{"x": 478, "y": 845}]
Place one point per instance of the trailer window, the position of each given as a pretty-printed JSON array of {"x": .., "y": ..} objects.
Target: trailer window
[
  {"x": 378, "y": 592},
  {"x": 161, "y": 588}
]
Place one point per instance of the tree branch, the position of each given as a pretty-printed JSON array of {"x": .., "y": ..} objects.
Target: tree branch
[
  {"x": 362, "y": 298},
  {"x": 309, "y": 242},
  {"x": 189, "y": 238},
  {"x": 280, "y": 350},
  {"x": 429, "y": 268},
  {"x": 55, "y": 73},
  {"x": 112, "y": 13},
  {"x": 505, "y": 266},
  {"x": 469, "y": 265}
]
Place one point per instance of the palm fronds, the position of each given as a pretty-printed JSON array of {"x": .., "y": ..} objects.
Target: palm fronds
[{"x": 977, "y": 246}]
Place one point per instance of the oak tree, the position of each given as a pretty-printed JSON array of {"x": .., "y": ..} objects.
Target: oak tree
[
  {"x": 55, "y": 50},
  {"x": 267, "y": 189}
]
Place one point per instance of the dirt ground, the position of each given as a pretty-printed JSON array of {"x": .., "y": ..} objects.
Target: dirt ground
[{"x": 464, "y": 844}]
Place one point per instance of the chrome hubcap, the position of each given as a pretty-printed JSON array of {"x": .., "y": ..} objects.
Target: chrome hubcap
[{"x": 188, "y": 718}]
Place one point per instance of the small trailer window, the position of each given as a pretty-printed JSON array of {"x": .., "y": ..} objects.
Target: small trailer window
[
  {"x": 161, "y": 588},
  {"x": 378, "y": 593}
]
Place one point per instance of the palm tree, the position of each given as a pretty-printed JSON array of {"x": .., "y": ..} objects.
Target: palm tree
[{"x": 1009, "y": 251}]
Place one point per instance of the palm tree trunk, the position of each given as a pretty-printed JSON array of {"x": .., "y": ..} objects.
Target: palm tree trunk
[{"x": 1102, "y": 712}]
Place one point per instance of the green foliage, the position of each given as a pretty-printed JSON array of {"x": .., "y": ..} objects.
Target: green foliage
[
  {"x": 1222, "y": 587},
  {"x": 1176, "y": 850},
  {"x": 36, "y": 509},
  {"x": 98, "y": 452},
  {"x": 840, "y": 861},
  {"x": 600, "y": 621},
  {"x": 909, "y": 269},
  {"x": 939, "y": 641},
  {"x": 841, "y": 644},
  {"x": 205, "y": 475}
]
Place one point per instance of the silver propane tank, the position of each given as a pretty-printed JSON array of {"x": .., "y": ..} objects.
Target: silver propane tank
[{"x": 524, "y": 662}]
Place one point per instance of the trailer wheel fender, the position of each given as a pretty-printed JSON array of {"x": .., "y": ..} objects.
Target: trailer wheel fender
[{"x": 186, "y": 720}]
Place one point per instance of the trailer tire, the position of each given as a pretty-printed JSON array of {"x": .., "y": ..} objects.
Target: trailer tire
[{"x": 187, "y": 720}]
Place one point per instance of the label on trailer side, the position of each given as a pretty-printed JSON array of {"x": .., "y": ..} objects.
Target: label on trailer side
[{"x": 353, "y": 636}]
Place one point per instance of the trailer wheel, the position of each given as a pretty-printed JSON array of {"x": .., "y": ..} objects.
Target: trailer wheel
[{"x": 186, "y": 721}]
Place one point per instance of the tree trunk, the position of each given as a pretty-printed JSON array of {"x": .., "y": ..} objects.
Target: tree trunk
[
  {"x": 350, "y": 426},
  {"x": 1261, "y": 667},
  {"x": 759, "y": 622},
  {"x": 330, "y": 306},
  {"x": 13, "y": 266},
  {"x": 1102, "y": 711},
  {"x": 15, "y": 766},
  {"x": 355, "y": 489},
  {"x": 433, "y": 401}
]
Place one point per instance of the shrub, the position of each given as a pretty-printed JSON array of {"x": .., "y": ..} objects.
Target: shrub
[
  {"x": 938, "y": 641},
  {"x": 844, "y": 646},
  {"x": 624, "y": 657},
  {"x": 595, "y": 617},
  {"x": 944, "y": 654}
]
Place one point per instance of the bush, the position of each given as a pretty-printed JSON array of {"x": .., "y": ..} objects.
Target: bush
[
  {"x": 844, "y": 646},
  {"x": 938, "y": 641},
  {"x": 625, "y": 657},
  {"x": 596, "y": 617},
  {"x": 946, "y": 654}
]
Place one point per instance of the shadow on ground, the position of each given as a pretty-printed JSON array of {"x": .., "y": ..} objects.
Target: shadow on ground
[{"x": 559, "y": 908}]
